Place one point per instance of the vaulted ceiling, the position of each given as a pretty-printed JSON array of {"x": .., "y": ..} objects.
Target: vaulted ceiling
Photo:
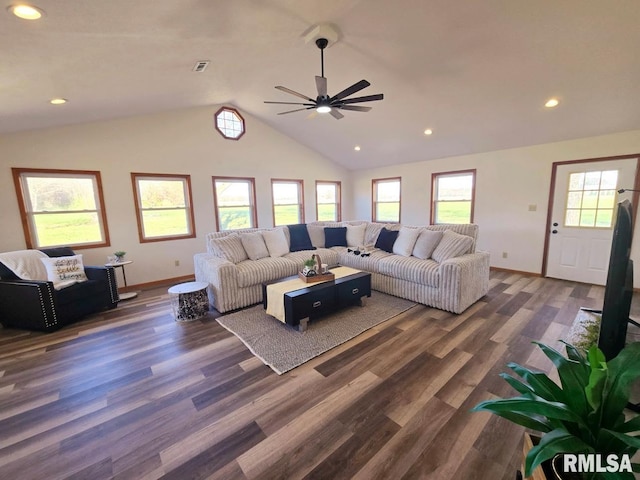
[{"x": 475, "y": 72}]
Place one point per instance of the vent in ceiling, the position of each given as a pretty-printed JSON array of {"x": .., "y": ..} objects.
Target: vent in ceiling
[{"x": 201, "y": 66}]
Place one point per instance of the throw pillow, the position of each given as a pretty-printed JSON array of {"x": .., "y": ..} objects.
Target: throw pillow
[
  {"x": 316, "y": 233},
  {"x": 386, "y": 239},
  {"x": 426, "y": 244},
  {"x": 64, "y": 271},
  {"x": 254, "y": 245},
  {"x": 355, "y": 235},
  {"x": 276, "y": 242},
  {"x": 452, "y": 245},
  {"x": 406, "y": 241},
  {"x": 299, "y": 236},
  {"x": 229, "y": 247},
  {"x": 335, "y": 237}
]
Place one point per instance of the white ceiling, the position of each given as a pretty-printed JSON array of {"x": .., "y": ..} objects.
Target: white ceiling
[{"x": 476, "y": 72}]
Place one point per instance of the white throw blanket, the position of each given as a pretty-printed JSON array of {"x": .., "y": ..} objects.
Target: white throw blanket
[{"x": 26, "y": 264}]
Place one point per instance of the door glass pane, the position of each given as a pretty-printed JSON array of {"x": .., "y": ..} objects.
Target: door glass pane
[
  {"x": 576, "y": 181},
  {"x": 591, "y": 199},
  {"x": 609, "y": 180},
  {"x": 607, "y": 199},
  {"x": 587, "y": 218},
  {"x": 604, "y": 218},
  {"x": 572, "y": 218},
  {"x": 574, "y": 200},
  {"x": 592, "y": 181}
]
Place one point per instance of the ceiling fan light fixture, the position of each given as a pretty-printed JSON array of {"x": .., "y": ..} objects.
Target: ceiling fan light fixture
[
  {"x": 26, "y": 12},
  {"x": 323, "y": 109}
]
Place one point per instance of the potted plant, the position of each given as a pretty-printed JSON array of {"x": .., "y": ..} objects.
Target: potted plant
[
  {"x": 119, "y": 255},
  {"x": 585, "y": 415},
  {"x": 309, "y": 267}
]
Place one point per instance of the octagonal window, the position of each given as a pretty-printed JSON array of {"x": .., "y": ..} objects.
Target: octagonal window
[{"x": 229, "y": 123}]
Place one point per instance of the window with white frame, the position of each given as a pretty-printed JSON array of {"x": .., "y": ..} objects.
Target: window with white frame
[
  {"x": 163, "y": 206},
  {"x": 288, "y": 201},
  {"x": 61, "y": 207},
  {"x": 234, "y": 202},
  {"x": 386, "y": 199},
  {"x": 453, "y": 197},
  {"x": 328, "y": 201}
]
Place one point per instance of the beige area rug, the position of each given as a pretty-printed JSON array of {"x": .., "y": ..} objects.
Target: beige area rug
[{"x": 284, "y": 348}]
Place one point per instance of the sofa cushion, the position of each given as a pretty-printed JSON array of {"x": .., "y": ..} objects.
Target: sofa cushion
[
  {"x": 406, "y": 241},
  {"x": 299, "y": 238},
  {"x": 255, "y": 272},
  {"x": 368, "y": 263},
  {"x": 316, "y": 234},
  {"x": 335, "y": 237},
  {"x": 386, "y": 239},
  {"x": 372, "y": 231},
  {"x": 64, "y": 271},
  {"x": 327, "y": 256},
  {"x": 254, "y": 245},
  {"x": 426, "y": 243},
  {"x": 276, "y": 242},
  {"x": 229, "y": 247},
  {"x": 468, "y": 229},
  {"x": 411, "y": 269},
  {"x": 451, "y": 245},
  {"x": 355, "y": 235}
]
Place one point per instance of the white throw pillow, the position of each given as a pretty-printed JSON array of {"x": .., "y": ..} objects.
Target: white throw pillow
[
  {"x": 64, "y": 271},
  {"x": 254, "y": 245},
  {"x": 355, "y": 235},
  {"x": 276, "y": 242},
  {"x": 426, "y": 244},
  {"x": 229, "y": 247},
  {"x": 316, "y": 234},
  {"x": 406, "y": 241},
  {"x": 452, "y": 245},
  {"x": 25, "y": 264}
]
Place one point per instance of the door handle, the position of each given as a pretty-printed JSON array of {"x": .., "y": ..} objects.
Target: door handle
[{"x": 554, "y": 231}]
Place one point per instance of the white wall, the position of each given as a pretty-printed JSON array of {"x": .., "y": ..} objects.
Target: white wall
[
  {"x": 507, "y": 182},
  {"x": 178, "y": 142}
]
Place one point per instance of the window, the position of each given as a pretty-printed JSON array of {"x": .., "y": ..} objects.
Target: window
[
  {"x": 234, "y": 201},
  {"x": 229, "y": 123},
  {"x": 61, "y": 207},
  {"x": 591, "y": 198},
  {"x": 386, "y": 199},
  {"x": 328, "y": 205},
  {"x": 453, "y": 196},
  {"x": 163, "y": 206},
  {"x": 288, "y": 204}
]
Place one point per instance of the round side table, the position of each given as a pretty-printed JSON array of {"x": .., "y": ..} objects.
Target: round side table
[
  {"x": 123, "y": 295},
  {"x": 189, "y": 301}
]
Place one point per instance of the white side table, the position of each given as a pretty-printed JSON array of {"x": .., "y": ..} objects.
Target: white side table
[
  {"x": 189, "y": 301},
  {"x": 124, "y": 295}
]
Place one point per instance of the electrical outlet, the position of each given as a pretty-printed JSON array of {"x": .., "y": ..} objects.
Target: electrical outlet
[
  {"x": 177, "y": 263},
  {"x": 505, "y": 254}
]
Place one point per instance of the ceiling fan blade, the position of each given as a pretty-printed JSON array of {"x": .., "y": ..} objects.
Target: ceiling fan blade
[
  {"x": 321, "y": 84},
  {"x": 356, "y": 87},
  {"x": 296, "y": 110},
  {"x": 336, "y": 114},
  {"x": 288, "y": 90},
  {"x": 290, "y": 103},
  {"x": 368, "y": 98},
  {"x": 355, "y": 108}
]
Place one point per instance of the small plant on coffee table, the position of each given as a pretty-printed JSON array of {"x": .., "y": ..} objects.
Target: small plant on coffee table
[{"x": 309, "y": 267}]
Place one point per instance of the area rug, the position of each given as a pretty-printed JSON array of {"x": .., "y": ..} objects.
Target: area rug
[{"x": 284, "y": 348}]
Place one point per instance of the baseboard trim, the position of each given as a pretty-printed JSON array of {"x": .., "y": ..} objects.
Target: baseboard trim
[
  {"x": 521, "y": 272},
  {"x": 158, "y": 283}
]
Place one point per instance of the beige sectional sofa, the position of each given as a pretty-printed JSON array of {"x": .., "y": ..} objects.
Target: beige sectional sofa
[{"x": 452, "y": 276}]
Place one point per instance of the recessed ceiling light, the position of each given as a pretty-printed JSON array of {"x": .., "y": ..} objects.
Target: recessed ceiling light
[
  {"x": 357, "y": 148},
  {"x": 428, "y": 131},
  {"x": 57, "y": 101},
  {"x": 26, "y": 12},
  {"x": 552, "y": 102}
]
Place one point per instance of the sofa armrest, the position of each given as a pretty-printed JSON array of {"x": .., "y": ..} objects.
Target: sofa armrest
[
  {"x": 463, "y": 280},
  {"x": 28, "y": 304},
  {"x": 106, "y": 276},
  {"x": 222, "y": 277}
]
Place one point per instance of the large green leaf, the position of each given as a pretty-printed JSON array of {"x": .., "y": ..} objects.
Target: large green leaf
[
  {"x": 542, "y": 385},
  {"x": 574, "y": 376},
  {"x": 597, "y": 381},
  {"x": 573, "y": 353},
  {"x": 534, "y": 407},
  {"x": 517, "y": 385},
  {"x": 628, "y": 440},
  {"x": 623, "y": 371},
  {"x": 534, "y": 422},
  {"x": 632, "y": 425},
  {"x": 557, "y": 441}
]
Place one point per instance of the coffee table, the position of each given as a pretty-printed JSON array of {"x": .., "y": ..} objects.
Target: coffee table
[{"x": 315, "y": 299}]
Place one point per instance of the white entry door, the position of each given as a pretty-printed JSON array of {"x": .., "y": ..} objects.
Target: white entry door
[{"x": 583, "y": 217}]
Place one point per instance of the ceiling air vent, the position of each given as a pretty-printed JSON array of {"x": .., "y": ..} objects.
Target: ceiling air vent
[{"x": 201, "y": 66}]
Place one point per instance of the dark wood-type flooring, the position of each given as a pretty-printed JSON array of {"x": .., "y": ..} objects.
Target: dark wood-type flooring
[{"x": 131, "y": 394}]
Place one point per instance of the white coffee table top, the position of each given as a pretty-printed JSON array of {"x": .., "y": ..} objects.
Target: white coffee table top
[{"x": 188, "y": 287}]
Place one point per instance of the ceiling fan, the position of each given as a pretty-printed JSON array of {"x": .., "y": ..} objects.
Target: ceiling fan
[{"x": 323, "y": 103}]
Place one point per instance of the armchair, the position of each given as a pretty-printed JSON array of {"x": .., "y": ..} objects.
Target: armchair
[{"x": 36, "y": 305}]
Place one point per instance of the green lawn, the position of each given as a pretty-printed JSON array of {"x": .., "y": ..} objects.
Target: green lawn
[
  {"x": 454, "y": 212},
  {"x": 326, "y": 212},
  {"x": 67, "y": 229},
  {"x": 164, "y": 223},
  {"x": 286, "y": 214}
]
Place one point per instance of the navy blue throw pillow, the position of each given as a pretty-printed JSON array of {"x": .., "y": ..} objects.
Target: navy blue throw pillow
[
  {"x": 299, "y": 238},
  {"x": 386, "y": 239},
  {"x": 335, "y": 237}
]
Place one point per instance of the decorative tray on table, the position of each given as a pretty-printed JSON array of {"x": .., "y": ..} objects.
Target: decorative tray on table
[{"x": 318, "y": 277}]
